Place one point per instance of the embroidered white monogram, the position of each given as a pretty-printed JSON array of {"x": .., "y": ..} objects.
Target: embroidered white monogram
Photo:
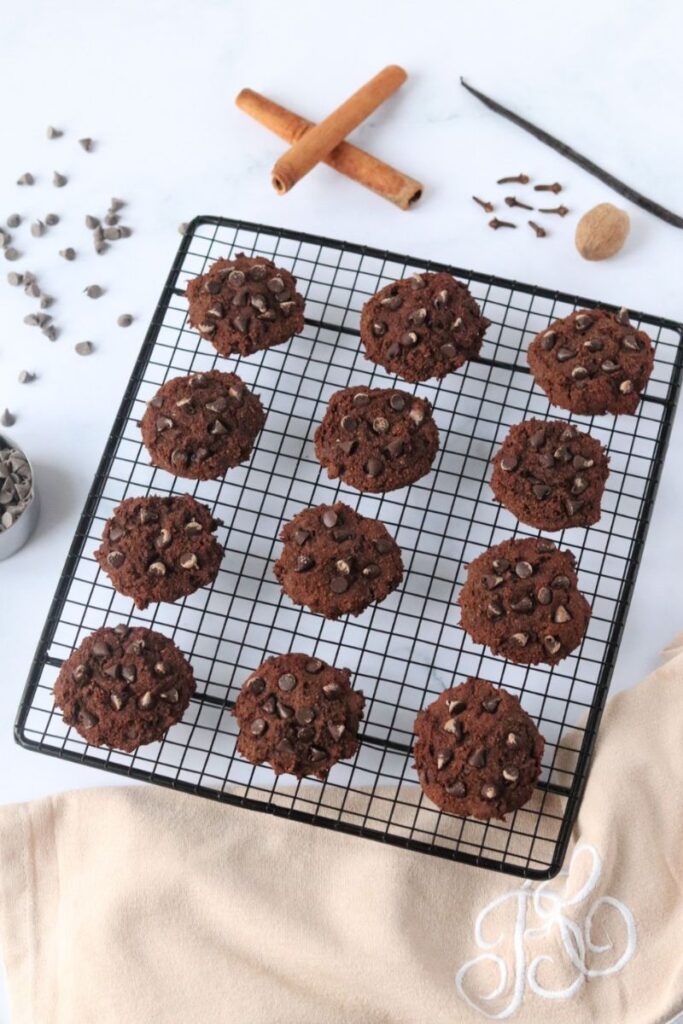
[{"x": 565, "y": 923}]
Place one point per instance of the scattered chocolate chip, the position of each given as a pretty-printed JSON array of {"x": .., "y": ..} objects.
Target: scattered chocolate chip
[
  {"x": 58, "y": 180},
  {"x": 287, "y": 682},
  {"x": 524, "y": 570},
  {"x": 551, "y": 644},
  {"x": 561, "y": 614},
  {"x": 544, "y": 595},
  {"x": 258, "y": 727},
  {"x": 477, "y": 757},
  {"x": 564, "y": 354},
  {"x": 68, "y": 254},
  {"x": 84, "y": 348},
  {"x": 457, "y": 788},
  {"x": 26, "y": 179},
  {"x": 330, "y": 518}
]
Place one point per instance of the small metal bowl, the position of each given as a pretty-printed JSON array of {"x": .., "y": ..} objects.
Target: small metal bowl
[{"x": 21, "y": 529}]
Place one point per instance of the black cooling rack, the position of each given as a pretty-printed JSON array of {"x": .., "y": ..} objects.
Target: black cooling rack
[{"x": 408, "y": 649}]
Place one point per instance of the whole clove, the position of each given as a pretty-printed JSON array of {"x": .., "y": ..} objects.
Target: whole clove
[
  {"x": 571, "y": 154},
  {"x": 555, "y": 187},
  {"x": 484, "y": 204},
  {"x": 513, "y": 201},
  {"x": 495, "y": 224},
  {"x": 561, "y": 210},
  {"x": 518, "y": 179},
  {"x": 540, "y": 232}
]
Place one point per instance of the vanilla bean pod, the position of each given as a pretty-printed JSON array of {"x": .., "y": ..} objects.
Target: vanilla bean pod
[{"x": 571, "y": 154}]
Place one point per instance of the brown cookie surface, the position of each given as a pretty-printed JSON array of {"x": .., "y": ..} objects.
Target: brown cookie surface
[
  {"x": 550, "y": 475},
  {"x": 124, "y": 687},
  {"x": 200, "y": 426},
  {"x": 160, "y": 549},
  {"x": 337, "y": 562},
  {"x": 478, "y": 753},
  {"x": 592, "y": 362},
  {"x": 298, "y": 714},
  {"x": 422, "y": 327},
  {"x": 377, "y": 439},
  {"x": 245, "y": 304},
  {"x": 521, "y": 599}
]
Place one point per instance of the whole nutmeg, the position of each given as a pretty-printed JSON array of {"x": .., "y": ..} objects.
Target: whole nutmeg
[{"x": 602, "y": 232}]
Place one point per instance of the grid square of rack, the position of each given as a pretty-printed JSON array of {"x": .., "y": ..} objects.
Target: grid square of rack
[{"x": 405, "y": 651}]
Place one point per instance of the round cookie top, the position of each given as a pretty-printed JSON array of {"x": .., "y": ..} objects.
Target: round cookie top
[
  {"x": 245, "y": 304},
  {"x": 124, "y": 687},
  {"x": 477, "y": 754},
  {"x": 299, "y": 714},
  {"x": 422, "y": 327},
  {"x": 550, "y": 475},
  {"x": 160, "y": 549},
  {"x": 337, "y": 562},
  {"x": 200, "y": 426},
  {"x": 377, "y": 439},
  {"x": 592, "y": 362},
  {"x": 521, "y": 600}
]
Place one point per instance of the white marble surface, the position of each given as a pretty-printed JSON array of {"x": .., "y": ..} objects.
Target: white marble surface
[{"x": 154, "y": 84}]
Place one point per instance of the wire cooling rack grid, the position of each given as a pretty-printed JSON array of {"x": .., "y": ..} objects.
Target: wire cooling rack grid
[{"x": 408, "y": 649}]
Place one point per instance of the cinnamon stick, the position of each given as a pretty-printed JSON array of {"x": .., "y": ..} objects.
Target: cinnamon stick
[
  {"x": 312, "y": 147},
  {"x": 347, "y": 159}
]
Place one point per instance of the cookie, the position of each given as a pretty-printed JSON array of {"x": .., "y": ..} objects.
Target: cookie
[
  {"x": 478, "y": 754},
  {"x": 592, "y": 362},
  {"x": 550, "y": 475},
  {"x": 124, "y": 687},
  {"x": 337, "y": 562},
  {"x": 521, "y": 599},
  {"x": 160, "y": 549},
  {"x": 298, "y": 714},
  {"x": 423, "y": 327},
  {"x": 377, "y": 439},
  {"x": 245, "y": 304},
  {"x": 201, "y": 426}
]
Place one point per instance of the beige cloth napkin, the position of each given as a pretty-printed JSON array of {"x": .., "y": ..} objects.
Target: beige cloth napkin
[{"x": 141, "y": 906}]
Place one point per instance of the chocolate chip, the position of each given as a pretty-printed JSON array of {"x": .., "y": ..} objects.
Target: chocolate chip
[
  {"x": 562, "y": 454},
  {"x": 116, "y": 559},
  {"x": 579, "y": 485},
  {"x": 342, "y": 567},
  {"x": 314, "y": 665},
  {"x": 287, "y": 682},
  {"x": 397, "y": 403},
  {"x": 579, "y": 462},
  {"x": 441, "y": 299},
  {"x": 491, "y": 705},
  {"x": 418, "y": 316},
  {"x": 408, "y": 339},
  {"x": 501, "y": 564},
  {"x": 374, "y": 467},
  {"x": 257, "y": 685},
  {"x": 157, "y": 569},
  {"x": 306, "y": 734},
  {"x": 541, "y": 491},
  {"x": 395, "y": 448},
  {"x": 537, "y": 439},
  {"x": 454, "y": 726},
  {"x": 521, "y": 639},
  {"x": 491, "y": 582},
  {"x": 86, "y": 720},
  {"x": 509, "y": 463},
  {"x": 458, "y": 789},
  {"x": 456, "y": 707},
  {"x": 622, "y": 317},
  {"x": 115, "y": 701},
  {"x": 331, "y": 689},
  {"x": 443, "y": 758},
  {"x": 564, "y": 354},
  {"x": 371, "y": 571},
  {"x": 379, "y": 328},
  {"x": 284, "y": 711},
  {"x": 269, "y": 705},
  {"x": 582, "y": 322},
  {"x": 305, "y": 716},
  {"x": 524, "y": 604},
  {"x": 524, "y": 570},
  {"x": 349, "y": 423},
  {"x": 609, "y": 366},
  {"x": 551, "y": 644},
  {"x": 330, "y": 518},
  {"x": 100, "y": 649},
  {"x": 303, "y": 563},
  {"x": 490, "y": 791},
  {"x": 561, "y": 582},
  {"x": 258, "y": 727},
  {"x": 189, "y": 561},
  {"x": 80, "y": 673},
  {"x": 513, "y": 740},
  {"x": 417, "y": 282},
  {"x": 632, "y": 343},
  {"x": 336, "y": 730},
  {"x": 579, "y": 373},
  {"x": 561, "y": 614},
  {"x": 193, "y": 527},
  {"x": 361, "y": 399},
  {"x": 393, "y": 350},
  {"x": 240, "y": 324},
  {"x": 593, "y": 345},
  {"x": 384, "y": 546},
  {"x": 301, "y": 536},
  {"x": 380, "y": 425},
  {"x": 285, "y": 747},
  {"x": 172, "y": 696},
  {"x": 236, "y": 278},
  {"x": 393, "y": 302},
  {"x": 544, "y": 595},
  {"x": 477, "y": 757},
  {"x": 339, "y": 584},
  {"x": 548, "y": 341},
  {"x": 416, "y": 414},
  {"x": 146, "y": 700},
  {"x": 163, "y": 539},
  {"x": 495, "y": 610},
  {"x": 317, "y": 754},
  {"x": 448, "y": 350},
  {"x": 626, "y": 387}
]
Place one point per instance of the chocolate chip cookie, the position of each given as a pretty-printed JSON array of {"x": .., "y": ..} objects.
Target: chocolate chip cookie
[
  {"x": 592, "y": 362},
  {"x": 423, "y": 327},
  {"x": 201, "y": 426},
  {"x": 245, "y": 304},
  {"x": 160, "y": 549},
  {"x": 521, "y": 599},
  {"x": 550, "y": 475},
  {"x": 298, "y": 714},
  {"x": 377, "y": 439},
  {"x": 124, "y": 687},
  {"x": 478, "y": 754},
  {"x": 337, "y": 562}
]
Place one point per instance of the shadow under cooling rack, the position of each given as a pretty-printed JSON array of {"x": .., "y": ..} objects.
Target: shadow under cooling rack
[{"x": 405, "y": 651}]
